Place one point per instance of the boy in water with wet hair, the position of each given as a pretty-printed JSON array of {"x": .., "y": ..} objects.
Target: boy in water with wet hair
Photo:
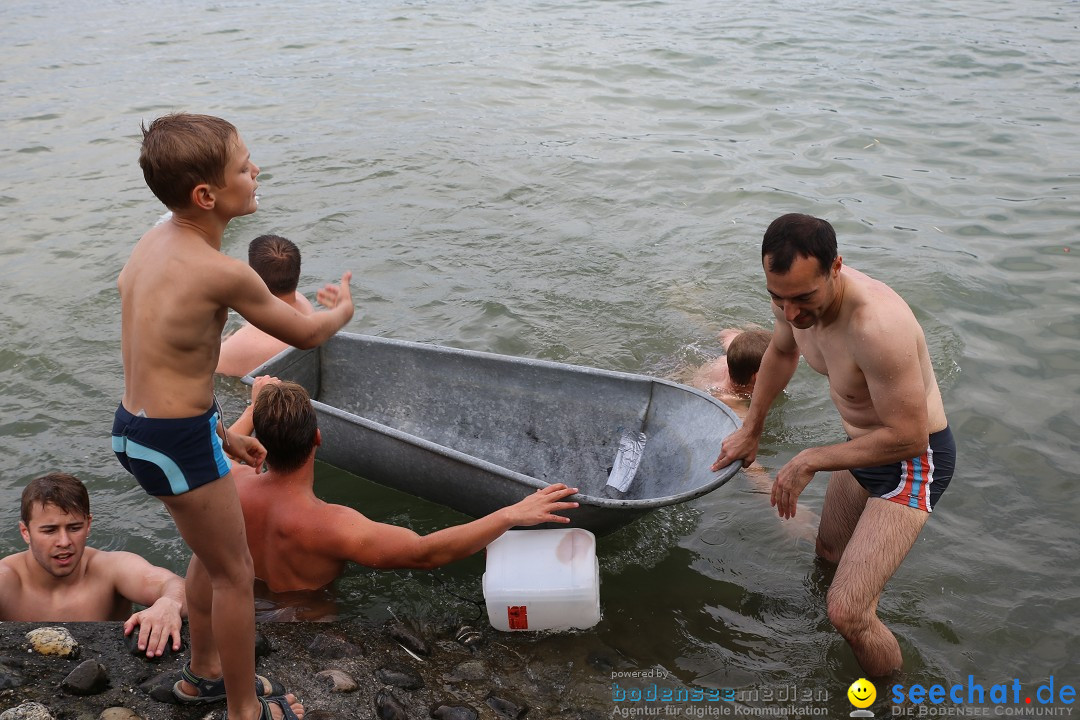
[
  {"x": 277, "y": 261},
  {"x": 733, "y": 375},
  {"x": 175, "y": 291}
]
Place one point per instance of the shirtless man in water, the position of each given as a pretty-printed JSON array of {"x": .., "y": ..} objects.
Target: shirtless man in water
[
  {"x": 277, "y": 261},
  {"x": 175, "y": 291},
  {"x": 59, "y": 579},
  {"x": 888, "y": 476},
  {"x": 299, "y": 542}
]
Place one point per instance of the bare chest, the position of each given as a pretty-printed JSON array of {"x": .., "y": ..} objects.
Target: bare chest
[
  {"x": 830, "y": 356},
  {"x": 70, "y": 605}
]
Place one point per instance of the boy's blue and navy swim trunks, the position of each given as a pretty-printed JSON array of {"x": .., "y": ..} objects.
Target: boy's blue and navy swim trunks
[{"x": 169, "y": 456}]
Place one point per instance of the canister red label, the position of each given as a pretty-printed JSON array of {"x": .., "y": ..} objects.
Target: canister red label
[{"x": 517, "y": 617}]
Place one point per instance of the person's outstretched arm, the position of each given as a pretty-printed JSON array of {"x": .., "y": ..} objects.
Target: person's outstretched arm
[
  {"x": 248, "y": 295},
  {"x": 387, "y": 547}
]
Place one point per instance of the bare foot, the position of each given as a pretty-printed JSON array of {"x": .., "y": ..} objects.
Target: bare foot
[{"x": 276, "y": 711}]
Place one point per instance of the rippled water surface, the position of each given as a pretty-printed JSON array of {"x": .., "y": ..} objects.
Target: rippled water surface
[{"x": 588, "y": 182}]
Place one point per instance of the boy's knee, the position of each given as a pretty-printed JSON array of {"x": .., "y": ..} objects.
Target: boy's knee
[{"x": 239, "y": 573}]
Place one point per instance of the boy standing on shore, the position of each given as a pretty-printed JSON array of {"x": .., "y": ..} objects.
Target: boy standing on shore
[{"x": 175, "y": 291}]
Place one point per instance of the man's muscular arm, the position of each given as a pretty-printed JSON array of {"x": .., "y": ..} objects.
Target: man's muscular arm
[
  {"x": 778, "y": 365},
  {"x": 161, "y": 591},
  {"x": 388, "y": 546}
]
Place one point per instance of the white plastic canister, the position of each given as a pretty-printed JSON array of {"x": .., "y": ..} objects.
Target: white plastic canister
[{"x": 543, "y": 580}]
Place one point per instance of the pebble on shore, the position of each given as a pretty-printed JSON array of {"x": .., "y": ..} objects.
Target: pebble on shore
[{"x": 53, "y": 641}]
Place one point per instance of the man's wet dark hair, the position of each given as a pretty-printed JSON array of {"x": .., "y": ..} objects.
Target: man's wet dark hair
[
  {"x": 277, "y": 261},
  {"x": 797, "y": 235},
  {"x": 60, "y": 489}
]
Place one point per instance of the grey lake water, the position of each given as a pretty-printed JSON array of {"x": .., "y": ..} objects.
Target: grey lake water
[{"x": 588, "y": 181}]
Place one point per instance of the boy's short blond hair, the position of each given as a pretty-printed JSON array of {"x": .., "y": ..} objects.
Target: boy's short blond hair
[
  {"x": 182, "y": 150},
  {"x": 744, "y": 354}
]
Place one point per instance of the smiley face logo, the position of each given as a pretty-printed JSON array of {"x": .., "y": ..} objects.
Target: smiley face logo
[{"x": 862, "y": 693}]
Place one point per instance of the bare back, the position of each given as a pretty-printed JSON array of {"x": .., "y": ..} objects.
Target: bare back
[
  {"x": 875, "y": 328},
  {"x": 287, "y": 532},
  {"x": 713, "y": 377},
  {"x": 87, "y": 595},
  {"x": 172, "y": 291}
]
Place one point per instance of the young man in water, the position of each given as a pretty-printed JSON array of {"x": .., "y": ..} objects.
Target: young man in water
[
  {"x": 176, "y": 290},
  {"x": 277, "y": 261},
  {"x": 299, "y": 542},
  {"x": 59, "y": 579},
  {"x": 899, "y": 458}
]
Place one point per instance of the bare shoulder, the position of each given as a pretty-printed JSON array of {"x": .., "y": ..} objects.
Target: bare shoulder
[
  {"x": 783, "y": 338},
  {"x": 713, "y": 374},
  {"x": 883, "y": 336},
  {"x": 228, "y": 274},
  {"x": 303, "y": 304},
  {"x": 878, "y": 311},
  {"x": 180, "y": 257},
  {"x": 870, "y": 288},
  {"x": 342, "y": 514},
  {"x": 321, "y": 528},
  {"x": 739, "y": 404},
  {"x": 106, "y": 563},
  {"x": 246, "y": 480},
  {"x": 10, "y": 571},
  {"x": 115, "y": 564},
  {"x": 345, "y": 524}
]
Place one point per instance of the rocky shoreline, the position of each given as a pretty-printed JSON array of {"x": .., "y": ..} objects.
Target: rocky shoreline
[{"x": 340, "y": 671}]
